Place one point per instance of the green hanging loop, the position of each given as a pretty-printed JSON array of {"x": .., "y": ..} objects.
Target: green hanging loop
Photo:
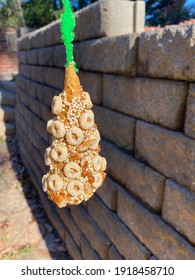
[{"x": 67, "y": 26}]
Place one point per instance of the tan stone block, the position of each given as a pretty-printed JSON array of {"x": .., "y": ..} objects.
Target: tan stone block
[
  {"x": 190, "y": 112},
  {"x": 167, "y": 53},
  {"x": 140, "y": 179},
  {"x": 179, "y": 209},
  {"x": 115, "y": 127},
  {"x": 147, "y": 99},
  {"x": 164, "y": 242},
  {"x": 171, "y": 153},
  {"x": 115, "y": 55},
  {"x": 92, "y": 83},
  {"x": 126, "y": 243}
]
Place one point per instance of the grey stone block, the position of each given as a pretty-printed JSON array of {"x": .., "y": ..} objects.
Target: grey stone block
[
  {"x": 113, "y": 254},
  {"x": 190, "y": 112},
  {"x": 53, "y": 77},
  {"x": 140, "y": 179},
  {"x": 158, "y": 237},
  {"x": 179, "y": 209},
  {"x": 116, "y": 55},
  {"x": 87, "y": 251},
  {"x": 22, "y": 57},
  {"x": 93, "y": 233},
  {"x": 125, "y": 242},
  {"x": 72, "y": 247},
  {"x": 59, "y": 56},
  {"x": 108, "y": 193},
  {"x": 115, "y": 127},
  {"x": 67, "y": 219},
  {"x": 32, "y": 57},
  {"x": 92, "y": 83},
  {"x": 167, "y": 53},
  {"x": 171, "y": 153},
  {"x": 45, "y": 56},
  {"x": 37, "y": 73},
  {"x": 159, "y": 101}
]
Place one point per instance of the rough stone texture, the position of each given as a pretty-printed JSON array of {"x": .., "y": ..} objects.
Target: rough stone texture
[
  {"x": 177, "y": 151},
  {"x": 45, "y": 56},
  {"x": 53, "y": 77},
  {"x": 143, "y": 181},
  {"x": 147, "y": 99},
  {"x": 162, "y": 53},
  {"x": 159, "y": 238},
  {"x": 93, "y": 83},
  {"x": 179, "y": 209},
  {"x": 92, "y": 232},
  {"x": 190, "y": 112},
  {"x": 22, "y": 57},
  {"x": 108, "y": 193},
  {"x": 115, "y": 55},
  {"x": 87, "y": 251},
  {"x": 72, "y": 247},
  {"x": 31, "y": 57},
  {"x": 115, "y": 127},
  {"x": 113, "y": 254},
  {"x": 126, "y": 243},
  {"x": 71, "y": 225}
]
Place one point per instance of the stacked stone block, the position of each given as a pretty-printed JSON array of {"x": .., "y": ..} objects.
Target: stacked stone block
[{"x": 143, "y": 105}]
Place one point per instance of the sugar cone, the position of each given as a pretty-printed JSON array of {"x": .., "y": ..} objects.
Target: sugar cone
[{"x": 72, "y": 85}]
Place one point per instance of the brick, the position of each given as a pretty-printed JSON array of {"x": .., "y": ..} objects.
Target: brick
[
  {"x": 113, "y": 254},
  {"x": 93, "y": 233},
  {"x": 32, "y": 57},
  {"x": 140, "y": 97},
  {"x": 72, "y": 248},
  {"x": 142, "y": 180},
  {"x": 158, "y": 237},
  {"x": 54, "y": 77},
  {"x": 125, "y": 242},
  {"x": 67, "y": 219},
  {"x": 116, "y": 55},
  {"x": 87, "y": 251},
  {"x": 45, "y": 56},
  {"x": 108, "y": 193},
  {"x": 171, "y": 153},
  {"x": 162, "y": 53},
  {"x": 115, "y": 127},
  {"x": 179, "y": 209},
  {"x": 93, "y": 83},
  {"x": 190, "y": 113},
  {"x": 22, "y": 57}
]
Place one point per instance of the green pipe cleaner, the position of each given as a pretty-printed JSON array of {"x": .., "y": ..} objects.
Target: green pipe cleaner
[{"x": 67, "y": 26}]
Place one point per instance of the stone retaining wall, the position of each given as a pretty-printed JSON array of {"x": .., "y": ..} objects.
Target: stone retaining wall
[{"x": 143, "y": 93}]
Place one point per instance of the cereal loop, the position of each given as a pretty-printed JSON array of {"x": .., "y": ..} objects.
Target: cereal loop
[
  {"x": 86, "y": 120},
  {"x": 59, "y": 153},
  {"x": 75, "y": 188},
  {"x": 47, "y": 157},
  {"x": 56, "y": 105},
  {"x": 74, "y": 136},
  {"x": 55, "y": 182},
  {"x": 72, "y": 170}
]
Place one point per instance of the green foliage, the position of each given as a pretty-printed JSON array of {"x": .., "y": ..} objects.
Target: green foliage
[
  {"x": 38, "y": 13},
  {"x": 163, "y": 12},
  {"x": 10, "y": 14}
]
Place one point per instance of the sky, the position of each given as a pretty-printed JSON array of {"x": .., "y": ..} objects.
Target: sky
[{"x": 189, "y": 2}]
